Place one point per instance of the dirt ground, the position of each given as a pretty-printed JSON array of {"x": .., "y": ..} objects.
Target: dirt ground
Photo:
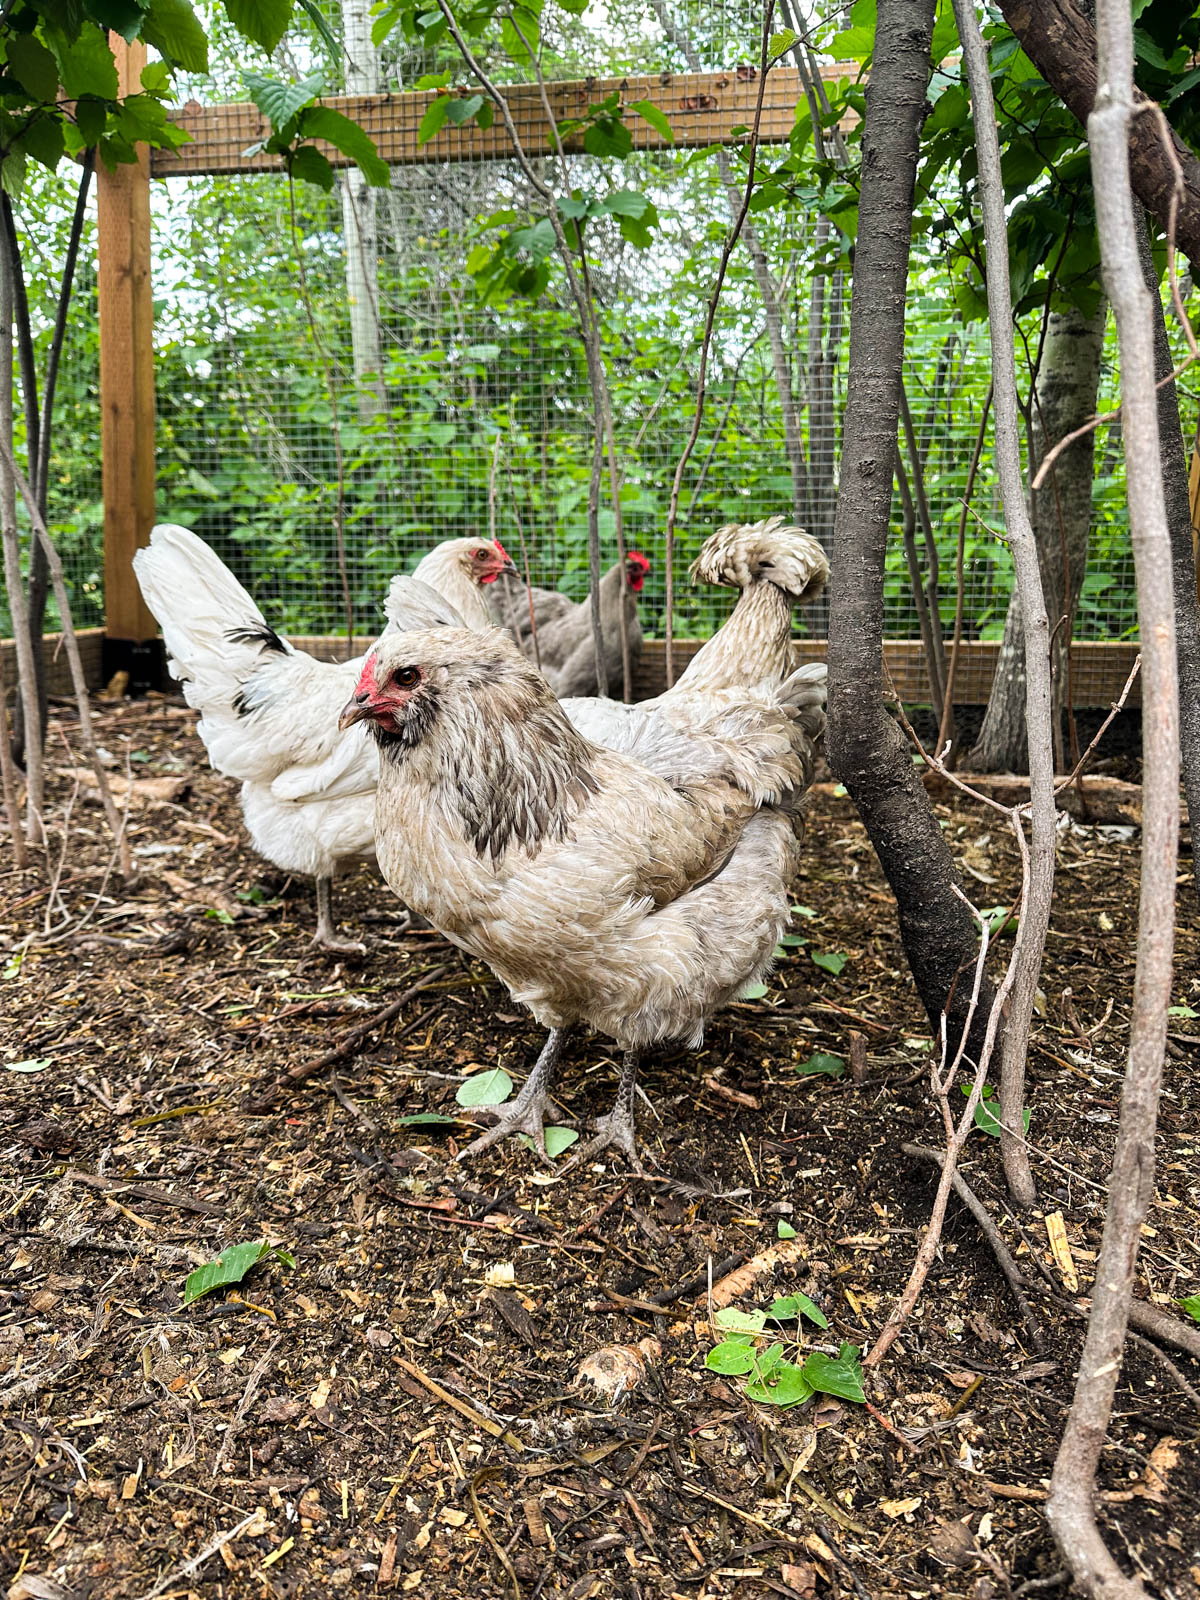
[{"x": 402, "y": 1409}]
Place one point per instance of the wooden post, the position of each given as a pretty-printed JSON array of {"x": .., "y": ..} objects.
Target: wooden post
[{"x": 126, "y": 373}]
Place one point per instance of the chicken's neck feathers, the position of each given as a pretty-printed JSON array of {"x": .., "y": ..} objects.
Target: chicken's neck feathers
[{"x": 753, "y": 647}]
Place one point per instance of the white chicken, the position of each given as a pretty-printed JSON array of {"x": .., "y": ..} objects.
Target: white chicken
[
  {"x": 268, "y": 712},
  {"x": 632, "y": 891}
]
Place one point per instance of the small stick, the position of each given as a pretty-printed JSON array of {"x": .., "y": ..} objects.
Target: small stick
[
  {"x": 71, "y": 643},
  {"x": 1009, "y": 1267},
  {"x": 348, "y": 1046},
  {"x": 197, "y": 1561}
]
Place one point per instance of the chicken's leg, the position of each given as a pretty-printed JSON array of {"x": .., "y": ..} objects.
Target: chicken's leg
[
  {"x": 327, "y": 936},
  {"x": 529, "y": 1108},
  {"x": 616, "y": 1130}
]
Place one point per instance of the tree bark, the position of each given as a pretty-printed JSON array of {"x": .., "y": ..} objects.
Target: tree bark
[
  {"x": 1059, "y": 39},
  {"x": 1070, "y": 1509},
  {"x": 866, "y": 749},
  {"x": 360, "y": 224},
  {"x": 1183, "y": 560},
  {"x": 1061, "y": 515}
]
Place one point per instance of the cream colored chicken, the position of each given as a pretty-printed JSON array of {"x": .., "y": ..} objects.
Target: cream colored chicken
[
  {"x": 268, "y": 712},
  {"x": 634, "y": 891}
]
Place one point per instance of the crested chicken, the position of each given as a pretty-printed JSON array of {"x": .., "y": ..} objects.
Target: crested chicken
[
  {"x": 635, "y": 890},
  {"x": 268, "y": 712},
  {"x": 776, "y": 567},
  {"x": 565, "y": 650}
]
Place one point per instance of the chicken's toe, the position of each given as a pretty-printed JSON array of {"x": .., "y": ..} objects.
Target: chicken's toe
[{"x": 517, "y": 1118}]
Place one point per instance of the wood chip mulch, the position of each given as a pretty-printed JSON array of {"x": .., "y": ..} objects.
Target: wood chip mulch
[{"x": 402, "y": 1411}]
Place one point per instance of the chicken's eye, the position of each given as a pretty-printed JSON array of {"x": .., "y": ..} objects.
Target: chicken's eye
[
  {"x": 481, "y": 555},
  {"x": 406, "y": 677}
]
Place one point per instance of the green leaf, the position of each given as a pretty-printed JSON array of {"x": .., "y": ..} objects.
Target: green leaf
[
  {"x": 734, "y": 1321},
  {"x": 91, "y": 117},
  {"x": 427, "y": 1119},
  {"x": 490, "y": 1088},
  {"x": 781, "y": 42},
  {"x": 45, "y": 140},
  {"x": 840, "y": 1376},
  {"x": 785, "y": 1386},
  {"x": 803, "y": 911},
  {"x": 86, "y": 65},
  {"x": 792, "y": 941},
  {"x": 175, "y": 31},
  {"x": 831, "y": 961},
  {"x": 323, "y": 122},
  {"x": 118, "y": 16},
  {"x": 655, "y": 116},
  {"x": 231, "y": 1266},
  {"x": 310, "y": 166},
  {"x": 263, "y": 21},
  {"x": 280, "y": 102},
  {"x": 821, "y": 1062},
  {"x": 753, "y": 991},
  {"x": 460, "y": 111},
  {"x": 732, "y": 1358},
  {"x": 784, "y": 1230},
  {"x": 624, "y": 203},
  {"x": 558, "y": 1140},
  {"x": 433, "y": 119},
  {"x": 216, "y": 914},
  {"x": 34, "y": 1064},
  {"x": 312, "y": 10},
  {"x": 34, "y": 67},
  {"x": 572, "y": 207},
  {"x": 523, "y": 52},
  {"x": 987, "y": 1122},
  {"x": 1192, "y": 1306},
  {"x": 1001, "y": 921},
  {"x": 1182, "y": 1011},
  {"x": 792, "y": 1306}
]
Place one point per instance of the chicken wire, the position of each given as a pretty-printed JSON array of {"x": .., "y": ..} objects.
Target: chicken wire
[{"x": 326, "y": 413}]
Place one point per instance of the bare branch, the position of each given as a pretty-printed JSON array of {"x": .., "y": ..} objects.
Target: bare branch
[
  {"x": 1070, "y": 1509},
  {"x": 1035, "y": 919}
]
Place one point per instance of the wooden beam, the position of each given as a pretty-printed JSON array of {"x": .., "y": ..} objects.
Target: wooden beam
[
  {"x": 126, "y": 370},
  {"x": 702, "y": 108}
]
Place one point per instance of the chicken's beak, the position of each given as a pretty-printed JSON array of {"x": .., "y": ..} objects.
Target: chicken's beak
[{"x": 357, "y": 709}]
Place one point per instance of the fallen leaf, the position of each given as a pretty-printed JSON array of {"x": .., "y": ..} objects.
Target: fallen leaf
[
  {"x": 800, "y": 1576},
  {"x": 900, "y": 1508},
  {"x": 320, "y": 1395}
]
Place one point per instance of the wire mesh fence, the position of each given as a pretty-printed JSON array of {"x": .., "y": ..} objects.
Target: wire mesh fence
[{"x": 340, "y": 385}]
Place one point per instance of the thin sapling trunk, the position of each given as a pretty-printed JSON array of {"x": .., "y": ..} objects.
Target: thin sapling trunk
[
  {"x": 1035, "y": 919},
  {"x": 1070, "y": 1508}
]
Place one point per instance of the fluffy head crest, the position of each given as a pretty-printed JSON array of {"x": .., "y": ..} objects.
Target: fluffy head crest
[{"x": 771, "y": 551}]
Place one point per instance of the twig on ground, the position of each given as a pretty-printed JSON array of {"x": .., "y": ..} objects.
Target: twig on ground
[
  {"x": 1168, "y": 1366},
  {"x": 1004, "y": 1258},
  {"x": 347, "y": 1046},
  {"x": 189, "y": 1568},
  {"x": 244, "y": 1404}
]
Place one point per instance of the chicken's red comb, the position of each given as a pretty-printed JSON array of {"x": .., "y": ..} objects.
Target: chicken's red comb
[
  {"x": 502, "y": 550},
  {"x": 644, "y": 561}
]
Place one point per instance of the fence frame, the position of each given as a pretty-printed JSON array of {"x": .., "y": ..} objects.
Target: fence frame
[{"x": 704, "y": 109}]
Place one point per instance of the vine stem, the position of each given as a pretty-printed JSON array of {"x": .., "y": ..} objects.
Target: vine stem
[{"x": 710, "y": 317}]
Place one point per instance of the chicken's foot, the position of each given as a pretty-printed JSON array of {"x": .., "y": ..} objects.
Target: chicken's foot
[
  {"x": 616, "y": 1130},
  {"x": 327, "y": 937},
  {"x": 528, "y": 1110}
]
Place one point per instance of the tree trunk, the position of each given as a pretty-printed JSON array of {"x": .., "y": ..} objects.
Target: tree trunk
[
  {"x": 866, "y": 749},
  {"x": 360, "y": 224},
  {"x": 1061, "y": 42},
  {"x": 1061, "y": 516},
  {"x": 1183, "y": 560}
]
